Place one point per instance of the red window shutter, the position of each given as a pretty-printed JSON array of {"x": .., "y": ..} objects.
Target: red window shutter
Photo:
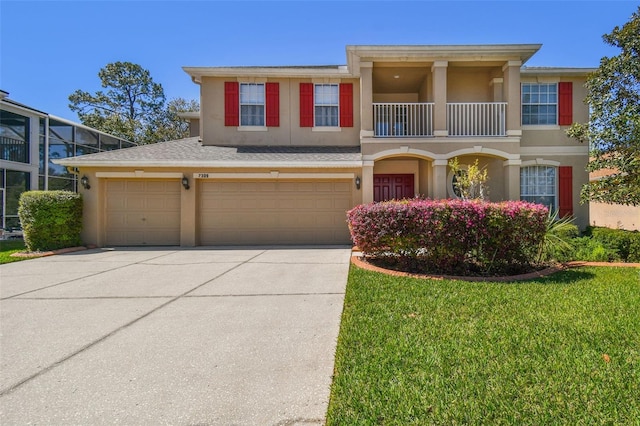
[
  {"x": 565, "y": 103},
  {"x": 272, "y": 92},
  {"x": 306, "y": 104},
  {"x": 565, "y": 189},
  {"x": 346, "y": 105},
  {"x": 231, "y": 103}
]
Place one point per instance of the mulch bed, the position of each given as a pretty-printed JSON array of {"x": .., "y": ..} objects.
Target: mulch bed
[{"x": 360, "y": 261}]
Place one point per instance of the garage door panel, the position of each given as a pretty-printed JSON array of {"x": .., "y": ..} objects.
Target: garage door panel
[
  {"x": 142, "y": 212},
  {"x": 274, "y": 212},
  {"x": 134, "y": 186}
]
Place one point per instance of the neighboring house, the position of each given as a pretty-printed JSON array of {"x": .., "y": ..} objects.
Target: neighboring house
[
  {"x": 616, "y": 216},
  {"x": 283, "y": 152},
  {"x": 29, "y": 142}
]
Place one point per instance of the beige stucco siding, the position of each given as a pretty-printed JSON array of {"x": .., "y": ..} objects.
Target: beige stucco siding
[
  {"x": 289, "y": 132},
  {"x": 615, "y": 216},
  {"x": 470, "y": 84}
]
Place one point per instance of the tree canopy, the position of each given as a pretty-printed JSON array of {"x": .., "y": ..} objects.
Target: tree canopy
[
  {"x": 133, "y": 107},
  {"x": 613, "y": 131}
]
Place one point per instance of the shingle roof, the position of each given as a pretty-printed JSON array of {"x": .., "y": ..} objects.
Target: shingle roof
[{"x": 190, "y": 152}]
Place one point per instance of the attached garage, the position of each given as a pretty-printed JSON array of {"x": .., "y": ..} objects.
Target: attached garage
[
  {"x": 274, "y": 211},
  {"x": 142, "y": 212}
]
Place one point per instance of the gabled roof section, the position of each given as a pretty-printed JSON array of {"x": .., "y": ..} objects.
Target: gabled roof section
[
  {"x": 191, "y": 153},
  {"x": 428, "y": 53},
  {"x": 327, "y": 71}
]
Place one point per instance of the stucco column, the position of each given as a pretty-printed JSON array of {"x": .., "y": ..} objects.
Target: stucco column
[
  {"x": 188, "y": 212},
  {"x": 512, "y": 179},
  {"x": 367, "y": 182},
  {"x": 366, "y": 99},
  {"x": 439, "y": 73},
  {"x": 511, "y": 89},
  {"x": 496, "y": 89},
  {"x": 440, "y": 179}
]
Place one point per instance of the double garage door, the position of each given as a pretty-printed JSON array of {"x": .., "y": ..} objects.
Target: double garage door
[
  {"x": 274, "y": 212},
  {"x": 147, "y": 212}
]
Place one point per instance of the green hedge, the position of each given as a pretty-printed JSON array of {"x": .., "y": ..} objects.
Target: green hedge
[
  {"x": 50, "y": 219},
  {"x": 625, "y": 244},
  {"x": 603, "y": 245}
]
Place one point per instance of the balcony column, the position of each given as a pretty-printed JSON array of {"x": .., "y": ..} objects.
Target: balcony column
[
  {"x": 366, "y": 99},
  {"x": 367, "y": 182},
  {"x": 511, "y": 89},
  {"x": 496, "y": 88},
  {"x": 439, "y": 179},
  {"x": 512, "y": 179},
  {"x": 439, "y": 74}
]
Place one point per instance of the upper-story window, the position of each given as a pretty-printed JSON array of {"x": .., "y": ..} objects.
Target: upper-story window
[
  {"x": 539, "y": 103},
  {"x": 547, "y": 103},
  {"x": 252, "y": 104},
  {"x": 326, "y": 105}
]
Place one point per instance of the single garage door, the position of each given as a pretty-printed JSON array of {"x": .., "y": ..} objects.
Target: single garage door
[
  {"x": 274, "y": 212},
  {"x": 142, "y": 212}
]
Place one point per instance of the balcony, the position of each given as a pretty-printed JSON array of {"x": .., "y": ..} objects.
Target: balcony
[
  {"x": 477, "y": 119},
  {"x": 14, "y": 150},
  {"x": 415, "y": 120},
  {"x": 398, "y": 120}
]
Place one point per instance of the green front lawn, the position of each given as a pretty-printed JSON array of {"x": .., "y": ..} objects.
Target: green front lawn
[
  {"x": 8, "y": 247},
  {"x": 558, "y": 350}
]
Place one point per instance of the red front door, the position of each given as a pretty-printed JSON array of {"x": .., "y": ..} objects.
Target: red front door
[{"x": 389, "y": 187}]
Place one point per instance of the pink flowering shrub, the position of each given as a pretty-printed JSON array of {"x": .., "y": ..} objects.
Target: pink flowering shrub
[{"x": 450, "y": 235}]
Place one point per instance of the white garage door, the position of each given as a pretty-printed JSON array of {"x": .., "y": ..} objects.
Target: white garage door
[
  {"x": 142, "y": 212},
  {"x": 274, "y": 212}
]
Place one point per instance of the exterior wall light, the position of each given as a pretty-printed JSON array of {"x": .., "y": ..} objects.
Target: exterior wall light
[
  {"x": 85, "y": 182},
  {"x": 185, "y": 182},
  {"x": 357, "y": 182}
]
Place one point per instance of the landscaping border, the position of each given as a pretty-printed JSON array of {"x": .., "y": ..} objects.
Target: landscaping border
[
  {"x": 35, "y": 254},
  {"x": 357, "y": 260}
]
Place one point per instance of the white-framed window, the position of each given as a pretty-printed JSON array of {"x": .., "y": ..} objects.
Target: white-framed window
[
  {"x": 252, "y": 103},
  {"x": 326, "y": 105},
  {"x": 538, "y": 184},
  {"x": 539, "y": 103}
]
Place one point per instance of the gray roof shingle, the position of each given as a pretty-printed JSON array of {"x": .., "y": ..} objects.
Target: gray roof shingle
[{"x": 190, "y": 152}]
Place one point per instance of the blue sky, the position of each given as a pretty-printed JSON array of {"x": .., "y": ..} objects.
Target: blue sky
[{"x": 49, "y": 49}]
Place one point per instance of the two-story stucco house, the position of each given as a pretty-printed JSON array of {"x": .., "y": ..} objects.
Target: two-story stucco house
[{"x": 283, "y": 152}]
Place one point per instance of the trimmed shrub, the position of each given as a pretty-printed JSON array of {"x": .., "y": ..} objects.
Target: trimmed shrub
[
  {"x": 50, "y": 219},
  {"x": 450, "y": 235},
  {"x": 589, "y": 250},
  {"x": 626, "y": 244}
]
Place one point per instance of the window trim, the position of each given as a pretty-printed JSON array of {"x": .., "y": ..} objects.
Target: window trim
[
  {"x": 252, "y": 127},
  {"x": 547, "y": 164},
  {"x": 523, "y": 104},
  {"x": 315, "y": 105}
]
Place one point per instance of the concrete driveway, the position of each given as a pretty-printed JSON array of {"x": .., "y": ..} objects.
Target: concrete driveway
[{"x": 205, "y": 336}]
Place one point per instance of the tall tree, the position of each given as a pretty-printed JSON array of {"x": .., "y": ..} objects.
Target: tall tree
[
  {"x": 614, "y": 127},
  {"x": 129, "y": 106},
  {"x": 168, "y": 124}
]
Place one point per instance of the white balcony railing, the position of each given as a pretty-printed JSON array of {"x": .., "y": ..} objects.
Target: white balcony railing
[
  {"x": 403, "y": 119},
  {"x": 477, "y": 119},
  {"x": 398, "y": 120}
]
